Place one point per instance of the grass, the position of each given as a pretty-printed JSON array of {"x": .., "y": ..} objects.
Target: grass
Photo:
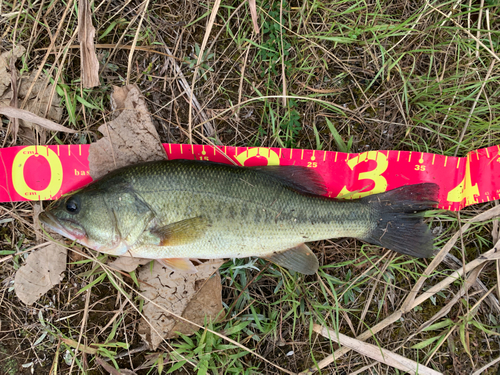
[{"x": 345, "y": 75}]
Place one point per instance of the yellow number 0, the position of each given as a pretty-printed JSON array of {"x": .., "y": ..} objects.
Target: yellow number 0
[
  {"x": 20, "y": 184},
  {"x": 374, "y": 175}
]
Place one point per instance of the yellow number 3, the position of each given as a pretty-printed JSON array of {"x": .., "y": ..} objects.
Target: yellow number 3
[{"x": 375, "y": 175}]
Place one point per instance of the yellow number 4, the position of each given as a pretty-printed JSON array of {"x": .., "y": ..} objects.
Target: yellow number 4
[{"x": 464, "y": 189}]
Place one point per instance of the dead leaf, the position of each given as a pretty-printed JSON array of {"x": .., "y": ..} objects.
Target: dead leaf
[
  {"x": 495, "y": 231},
  {"x": 40, "y": 102},
  {"x": 80, "y": 346},
  {"x": 192, "y": 296},
  {"x": 208, "y": 299},
  {"x": 43, "y": 269},
  {"x": 111, "y": 370},
  {"x": 13, "y": 100},
  {"x": 118, "y": 99},
  {"x": 128, "y": 264},
  {"x": 32, "y": 118},
  {"x": 253, "y": 13},
  {"x": 37, "y": 208},
  {"x": 5, "y": 63},
  {"x": 86, "y": 34},
  {"x": 131, "y": 138},
  {"x": 375, "y": 352}
]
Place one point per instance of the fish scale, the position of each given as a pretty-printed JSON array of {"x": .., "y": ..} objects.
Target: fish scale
[
  {"x": 248, "y": 212},
  {"x": 190, "y": 209}
]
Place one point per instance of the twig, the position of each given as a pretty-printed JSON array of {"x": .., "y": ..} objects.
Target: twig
[
  {"x": 208, "y": 126},
  {"x": 31, "y": 117},
  {"x": 211, "y": 22},
  {"x": 379, "y": 354},
  {"x": 411, "y": 301},
  {"x": 86, "y": 33},
  {"x": 134, "y": 42},
  {"x": 84, "y": 323},
  {"x": 253, "y": 13},
  {"x": 485, "y": 367},
  {"x": 466, "y": 125}
]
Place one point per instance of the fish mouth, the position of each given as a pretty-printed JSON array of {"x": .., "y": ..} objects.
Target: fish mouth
[{"x": 71, "y": 230}]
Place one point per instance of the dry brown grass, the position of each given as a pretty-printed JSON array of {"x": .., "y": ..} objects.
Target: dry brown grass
[{"x": 409, "y": 75}]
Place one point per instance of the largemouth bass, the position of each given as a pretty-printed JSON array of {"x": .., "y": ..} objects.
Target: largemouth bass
[{"x": 176, "y": 210}]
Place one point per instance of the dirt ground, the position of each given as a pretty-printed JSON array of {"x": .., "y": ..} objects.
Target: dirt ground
[{"x": 349, "y": 76}]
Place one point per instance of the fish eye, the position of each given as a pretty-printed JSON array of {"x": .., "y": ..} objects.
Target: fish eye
[{"x": 73, "y": 205}]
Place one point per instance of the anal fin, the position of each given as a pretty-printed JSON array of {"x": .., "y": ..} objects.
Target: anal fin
[
  {"x": 299, "y": 258},
  {"x": 179, "y": 264}
]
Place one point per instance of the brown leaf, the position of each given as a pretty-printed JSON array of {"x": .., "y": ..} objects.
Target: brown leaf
[
  {"x": 42, "y": 101},
  {"x": 192, "y": 296},
  {"x": 13, "y": 100},
  {"x": 43, "y": 269},
  {"x": 31, "y": 117},
  {"x": 86, "y": 34},
  {"x": 375, "y": 352},
  {"x": 5, "y": 62},
  {"x": 206, "y": 303},
  {"x": 131, "y": 138},
  {"x": 118, "y": 99},
  {"x": 37, "y": 208},
  {"x": 111, "y": 370},
  {"x": 253, "y": 13},
  {"x": 128, "y": 264},
  {"x": 81, "y": 347}
]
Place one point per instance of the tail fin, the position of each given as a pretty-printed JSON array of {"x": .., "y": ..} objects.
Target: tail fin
[{"x": 399, "y": 219}]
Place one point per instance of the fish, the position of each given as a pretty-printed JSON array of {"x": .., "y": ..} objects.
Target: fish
[{"x": 178, "y": 210}]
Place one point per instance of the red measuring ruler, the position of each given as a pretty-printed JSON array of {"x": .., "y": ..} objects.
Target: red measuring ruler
[{"x": 47, "y": 172}]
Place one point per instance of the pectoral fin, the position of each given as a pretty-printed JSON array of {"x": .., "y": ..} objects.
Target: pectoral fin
[
  {"x": 181, "y": 232},
  {"x": 179, "y": 264},
  {"x": 299, "y": 258}
]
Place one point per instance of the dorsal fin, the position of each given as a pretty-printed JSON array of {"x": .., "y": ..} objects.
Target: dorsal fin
[{"x": 302, "y": 179}]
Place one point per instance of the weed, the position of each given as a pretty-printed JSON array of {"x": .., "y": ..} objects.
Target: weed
[{"x": 419, "y": 76}]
